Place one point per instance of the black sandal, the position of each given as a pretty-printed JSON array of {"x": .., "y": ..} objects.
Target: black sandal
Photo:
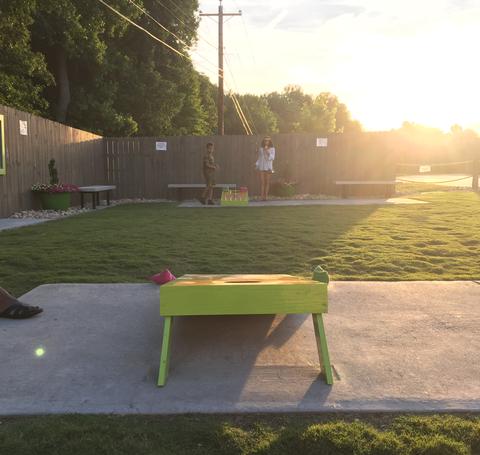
[{"x": 19, "y": 310}]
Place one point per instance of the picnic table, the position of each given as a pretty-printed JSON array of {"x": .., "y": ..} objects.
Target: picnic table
[
  {"x": 95, "y": 191},
  {"x": 207, "y": 295}
]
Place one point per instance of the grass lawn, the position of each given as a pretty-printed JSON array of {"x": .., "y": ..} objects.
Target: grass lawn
[
  {"x": 435, "y": 241},
  {"x": 232, "y": 435}
]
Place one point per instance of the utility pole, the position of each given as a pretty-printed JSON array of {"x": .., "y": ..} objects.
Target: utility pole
[{"x": 220, "y": 107}]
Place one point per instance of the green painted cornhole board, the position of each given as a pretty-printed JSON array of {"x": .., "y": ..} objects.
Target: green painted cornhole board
[{"x": 208, "y": 295}]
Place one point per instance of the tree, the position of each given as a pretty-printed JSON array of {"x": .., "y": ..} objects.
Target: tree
[
  {"x": 257, "y": 111},
  {"x": 79, "y": 63},
  {"x": 23, "y": 72},
  {"x": 72, "y": 35},
  {"x": 114, "y": 79},
  {"x": 344, "y": 122},
  {"x": 288, "y": 107},
  {"x": 208, "y": 94},
  {"x": 319, "y": 115},
  {"x": 298, "y": 112}
]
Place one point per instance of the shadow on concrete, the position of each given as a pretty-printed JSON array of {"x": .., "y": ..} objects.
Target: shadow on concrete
[{"x": 241, "y": 354}]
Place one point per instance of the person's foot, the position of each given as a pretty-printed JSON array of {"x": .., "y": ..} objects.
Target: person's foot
[
  {"x": 201, "y": 200},
  {"x": 20, "y": 311},
  {"x": 13, "y": 309},
  {"x": 5, "y": 297}
]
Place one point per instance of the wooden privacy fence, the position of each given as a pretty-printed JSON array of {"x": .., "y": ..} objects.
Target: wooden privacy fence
[
  {"x": 138, "y": 169},
  {"x": 79, "y": 157},
  {"x": 143, "y": 167}
]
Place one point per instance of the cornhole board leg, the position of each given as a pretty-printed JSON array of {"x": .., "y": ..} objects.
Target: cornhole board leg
[
  {"x": 322, "y": 346},
  {"x": 165, "y": 356}
]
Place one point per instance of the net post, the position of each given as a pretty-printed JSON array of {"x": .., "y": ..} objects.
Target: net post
[{"x": 475, "y": 173}]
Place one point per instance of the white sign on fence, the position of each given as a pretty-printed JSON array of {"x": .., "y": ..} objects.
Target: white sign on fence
[
  {"x": 160, "y": 146},
  {"x": 23, "y": 127},
  {"x": 322, "y": 142},
  {"x": 425, "y": 168}
]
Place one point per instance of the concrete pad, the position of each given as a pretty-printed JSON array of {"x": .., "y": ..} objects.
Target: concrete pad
[
  {"x": 12, "y": 223},
  {"x": 405, "y": 346},
  {"x": 302, "y": 202}
]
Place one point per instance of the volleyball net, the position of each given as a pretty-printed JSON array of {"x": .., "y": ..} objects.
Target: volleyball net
[{"x": 458, "y": 173}]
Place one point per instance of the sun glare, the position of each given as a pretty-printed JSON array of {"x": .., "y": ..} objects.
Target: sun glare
[
  {"x": 429, "y": 79},
  {"x": 395, "y": 62}
]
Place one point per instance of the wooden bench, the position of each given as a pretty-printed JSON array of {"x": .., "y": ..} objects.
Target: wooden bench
[
  {"x": 95, "y": 191},
  {"x": 209, "y": 295},
  {"x": 186, "y": 186},
  {"x": 344, "y": 184}
]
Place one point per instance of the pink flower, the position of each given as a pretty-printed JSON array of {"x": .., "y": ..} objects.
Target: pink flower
[{"x": 56, "y": 188}]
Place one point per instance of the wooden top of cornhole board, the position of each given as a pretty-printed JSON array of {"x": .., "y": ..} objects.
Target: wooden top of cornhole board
[{"x": 242, "y": 294}]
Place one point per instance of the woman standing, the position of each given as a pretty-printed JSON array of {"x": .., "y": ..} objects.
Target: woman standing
[{"x": 264, "y": 165}]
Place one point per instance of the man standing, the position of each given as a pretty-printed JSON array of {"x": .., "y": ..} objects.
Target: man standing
[{"x": 209, "y": 168}]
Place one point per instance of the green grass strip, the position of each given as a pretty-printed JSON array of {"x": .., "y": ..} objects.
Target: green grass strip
[
  {"x": 261, "y": 435},
  {"x": 435, "y": 241}
]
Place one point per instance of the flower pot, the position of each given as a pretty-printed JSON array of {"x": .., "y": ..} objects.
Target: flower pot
[{"x": 55, "y": 201}]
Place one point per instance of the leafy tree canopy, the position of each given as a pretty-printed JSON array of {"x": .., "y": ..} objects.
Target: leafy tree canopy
[
  {"x": 79, "y": 63},
  {"x": 291, "y": 111},
  {"x": 23, "y": 72}
]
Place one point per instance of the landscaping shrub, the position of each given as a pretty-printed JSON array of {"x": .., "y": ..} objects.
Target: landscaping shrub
[
  {"x": 246, "y": 435},
  {"x": 283, "y": 189},
  {"x": 435, "y": 445},
  {"x": 341, "y": 438},
  {"x": 336, "y": 438},
  {"x": 435, "y": 428}
]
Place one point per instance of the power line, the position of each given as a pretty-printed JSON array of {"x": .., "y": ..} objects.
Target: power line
[
  {"x": 220, "y": 102},
  {"x": 235, "y": 84},
  {"x": 143, "y": 29},
  {"x": 236, "y": 102},
  {"x": 236, "y": 88},
  {"x": 248, "y": 39},
  {"x": 149, "y": 34},
  {"x": 239, "y": 115},
  {"x": 242, "y": 113},
  {"x": 144, "y": 11},
  {"x": 239, "y": 112},
  {"x": 238, "y": 108},
  {"x": 190, "y": 29}
]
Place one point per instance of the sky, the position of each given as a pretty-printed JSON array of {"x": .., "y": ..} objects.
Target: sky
[{"x": 389, "y": 61}]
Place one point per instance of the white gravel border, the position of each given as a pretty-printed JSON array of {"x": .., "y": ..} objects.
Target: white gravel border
[{"x": 72, "y": 211}]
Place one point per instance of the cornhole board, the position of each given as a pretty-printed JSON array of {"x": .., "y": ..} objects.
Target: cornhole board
[{"x": 208, "y": 295}]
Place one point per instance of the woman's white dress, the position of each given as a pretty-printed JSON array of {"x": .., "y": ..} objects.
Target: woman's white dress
[{"x": 265, "y": 159}]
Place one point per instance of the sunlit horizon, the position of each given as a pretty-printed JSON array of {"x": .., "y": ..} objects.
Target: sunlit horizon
[{"x": 404, "y": 61}]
